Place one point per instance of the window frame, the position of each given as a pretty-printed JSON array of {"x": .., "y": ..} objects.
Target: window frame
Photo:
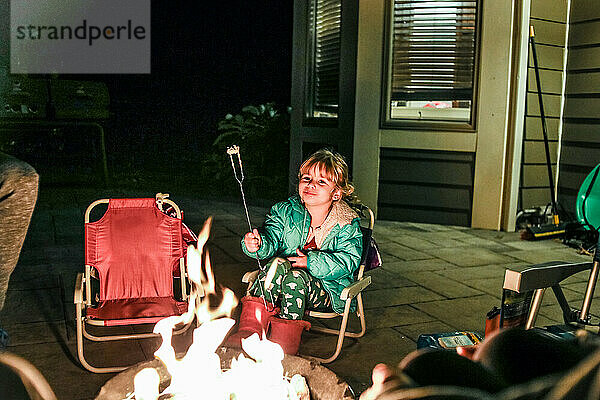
[
  {"x": 308, "y": 119},
  {"x": 386, "y": 121}
]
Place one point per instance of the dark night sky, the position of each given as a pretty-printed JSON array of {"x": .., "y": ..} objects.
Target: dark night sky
[
  {"x": 233, "y": 52},
  {"x": 208, "y": 59},
  {"x": 213, "y": 58}
]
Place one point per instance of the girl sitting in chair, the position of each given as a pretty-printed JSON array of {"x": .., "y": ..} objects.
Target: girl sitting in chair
[{"x": 317, "y": 241}]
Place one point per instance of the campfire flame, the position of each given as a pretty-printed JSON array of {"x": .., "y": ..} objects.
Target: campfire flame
[{"x": 199, "y": 374}]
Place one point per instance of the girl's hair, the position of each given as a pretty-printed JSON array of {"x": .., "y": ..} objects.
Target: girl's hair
[{"x": 333, "y": 166}]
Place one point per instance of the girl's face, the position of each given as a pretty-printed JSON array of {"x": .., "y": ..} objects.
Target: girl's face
[{"x": 316, "y": 189}]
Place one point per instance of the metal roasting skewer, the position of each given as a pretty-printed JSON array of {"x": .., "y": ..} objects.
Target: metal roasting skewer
[
  {"x": 231, "y": 151},
  {"x": 234, "y": 150}
]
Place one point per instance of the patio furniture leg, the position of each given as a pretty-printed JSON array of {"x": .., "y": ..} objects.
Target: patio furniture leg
[{"x": 342, "y": 333}]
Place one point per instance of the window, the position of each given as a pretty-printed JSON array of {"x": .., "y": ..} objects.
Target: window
[
  {"x": 323, "y": 62},
  {"x": 431, "y": 62}
]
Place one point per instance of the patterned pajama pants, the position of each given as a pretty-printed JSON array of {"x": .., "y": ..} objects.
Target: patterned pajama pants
[{"x": 294, "y": 288}]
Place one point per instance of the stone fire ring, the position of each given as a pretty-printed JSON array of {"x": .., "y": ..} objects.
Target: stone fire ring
[{"x": 323, "y": 383}]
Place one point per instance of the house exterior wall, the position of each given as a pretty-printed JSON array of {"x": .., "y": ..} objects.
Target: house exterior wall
[
  {"x": 434, "y": 186},
  {"x": 549, "y": 19},
  {"x": 495, "y": 129},
  {"x": 492, "y": 150},
  {"x": 580, "y": 141}
]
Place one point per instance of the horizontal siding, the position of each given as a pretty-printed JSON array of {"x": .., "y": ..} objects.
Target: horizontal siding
[
  {"x": 583, "y": 83},
  {"x": 449, "y": 198},
  {"x": 410, "y": 154},
  {"x": 573, "y": 178},
  {"x": 393, "y": 213},
  {"x": 583, "y": 58},
  {"x": 548, "y": 18},
  {"x": 583, "y": 10},
  {"x": 584, "y": 156},
  {"x": 426, "y": 186},
  {"x": 582, "y": 132},
  {"x": 582, "y": 108},
  {"x": 580, "y": 147},
  {"x": 536, "y": 175},
  {"x": 551, "y": 103},
  {"x": 567, "y": 202},
  {"x": 426, "y": 172},
  {"x": 551, "y": 81},
  {"x": 533, "y": 128},
  {"x": 549, "y": 57},
  {"x": 538, "y": 197},
  {"x": 549, "y": 32},
  {"x": 584, "y": 34},
  {"x": 554, "y": 10},
  {"x": 535, "y": 152}
]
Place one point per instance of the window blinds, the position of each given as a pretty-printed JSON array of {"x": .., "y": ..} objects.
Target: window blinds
[
  {"x": 327, "y": 16},
  {"x": 433, "y": 50}
]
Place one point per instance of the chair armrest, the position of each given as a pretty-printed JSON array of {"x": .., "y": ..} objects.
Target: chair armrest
[
  {"x": 541, "y": 276},
  {"x": 250, "y": 277},
  {"x": 78, "y": 296},
  {"x": 353, "y": 290}
]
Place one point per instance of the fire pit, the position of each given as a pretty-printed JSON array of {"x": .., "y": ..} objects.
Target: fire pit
[
  {"x": 209, "y": 371},
  {"x": 323, "y": 383}
]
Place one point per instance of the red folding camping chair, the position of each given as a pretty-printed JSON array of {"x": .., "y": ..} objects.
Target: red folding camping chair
[{"x": 135, "y": 271}]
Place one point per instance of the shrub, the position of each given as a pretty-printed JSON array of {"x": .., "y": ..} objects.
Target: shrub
[{"x": 263, "y": 135}]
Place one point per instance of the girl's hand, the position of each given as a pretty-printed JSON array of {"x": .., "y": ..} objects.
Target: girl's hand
[
  {"x": 300, "y": 261},
  {"x": 252, "y": 241}
]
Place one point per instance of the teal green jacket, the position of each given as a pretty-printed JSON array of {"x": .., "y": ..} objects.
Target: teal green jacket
[{"x": 338, "y": 256}]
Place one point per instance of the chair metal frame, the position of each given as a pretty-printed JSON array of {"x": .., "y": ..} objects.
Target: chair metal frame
[
  {"x": 352, "y": 291},
  {"x": 83, "y": 298},
  {"x": 539, "y": 277}
]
